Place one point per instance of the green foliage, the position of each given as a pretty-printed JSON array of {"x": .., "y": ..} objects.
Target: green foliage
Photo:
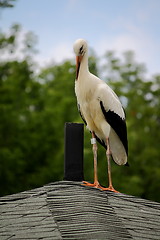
[
  {"x": 6, "y": 3},
  {"x": 34, "y": 108},
  {"x": 8, "y": 42},
  {"x": 141, "y": 100}
]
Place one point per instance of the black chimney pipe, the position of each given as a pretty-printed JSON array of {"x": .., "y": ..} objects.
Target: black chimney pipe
[{"x": 73, "y": 152}]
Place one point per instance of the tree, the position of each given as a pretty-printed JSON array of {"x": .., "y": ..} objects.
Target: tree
[
  {"x": 34, "y": 108},
  {"x": 6, "y": 3},
  {"x": 141, "y": 100},
  {"x": 21, "y": 102}
]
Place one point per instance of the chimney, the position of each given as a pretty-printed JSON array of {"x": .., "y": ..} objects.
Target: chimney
[{"x": 73, "y": 152}]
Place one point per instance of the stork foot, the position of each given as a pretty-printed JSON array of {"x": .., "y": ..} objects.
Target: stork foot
[
  {"x": 95, "y": 184},
  {"x": 110, "y": 188}
]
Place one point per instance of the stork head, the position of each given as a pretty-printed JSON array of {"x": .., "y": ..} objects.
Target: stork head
[{"x": 80, "y": 48}]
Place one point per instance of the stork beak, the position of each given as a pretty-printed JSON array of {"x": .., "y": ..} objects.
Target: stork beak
[{"x": 78, "y": 63}]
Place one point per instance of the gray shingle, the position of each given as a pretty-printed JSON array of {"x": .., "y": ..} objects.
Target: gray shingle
[
  {"x": 68, "y": 210},
  {"x": 27, "y": 218}
]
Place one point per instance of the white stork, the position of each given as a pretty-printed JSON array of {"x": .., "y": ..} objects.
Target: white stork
[{"x": 102, "y": 112}]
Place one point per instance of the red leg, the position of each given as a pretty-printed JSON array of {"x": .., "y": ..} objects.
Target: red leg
[
  {"x": 96, "y": 183},
  {"x": 108, "y": 153}
]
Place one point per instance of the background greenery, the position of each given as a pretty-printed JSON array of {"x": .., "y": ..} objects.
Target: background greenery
[{"x": 34, "y": 107}]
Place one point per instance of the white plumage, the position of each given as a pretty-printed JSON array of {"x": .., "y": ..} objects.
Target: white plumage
[{"x": 100, "y": 107}]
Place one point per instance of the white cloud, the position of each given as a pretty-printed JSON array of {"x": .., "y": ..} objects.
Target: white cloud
[
  {"x": 72, "y": 4},
  {"x": 132, "y": 38},
  {"x": 62, "y": 51},
  {"x": 147, "y": 10},
  {"x": 56, "y": 55}
]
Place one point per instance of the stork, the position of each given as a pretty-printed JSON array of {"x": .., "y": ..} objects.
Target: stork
[{"x": 102, "y": 112}]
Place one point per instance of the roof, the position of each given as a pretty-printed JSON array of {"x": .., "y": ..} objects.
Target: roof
[{"x": 68, "y": 210}]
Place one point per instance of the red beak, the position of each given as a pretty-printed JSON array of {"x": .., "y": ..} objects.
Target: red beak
[{"x": 78, "y": 63}]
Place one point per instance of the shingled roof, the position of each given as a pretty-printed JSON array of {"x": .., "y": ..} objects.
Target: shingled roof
[{"x": 68, "y": 210}]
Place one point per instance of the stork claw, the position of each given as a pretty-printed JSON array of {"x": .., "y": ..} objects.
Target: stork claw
[
  {"x": 110, "y": 188},
  {"x": 97, "y": 185}
]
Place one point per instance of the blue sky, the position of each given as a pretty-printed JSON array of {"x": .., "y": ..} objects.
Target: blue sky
[{"x": 107, "y": 25}]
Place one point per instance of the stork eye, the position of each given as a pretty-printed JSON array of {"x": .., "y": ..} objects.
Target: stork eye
[{"x": 81, "y": 50}]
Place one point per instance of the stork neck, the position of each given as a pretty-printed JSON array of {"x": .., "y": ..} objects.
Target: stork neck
[{"x": 84, "y": 64}]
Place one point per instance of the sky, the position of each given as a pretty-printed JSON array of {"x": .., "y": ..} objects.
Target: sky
[{"x": 118, "y": 25}]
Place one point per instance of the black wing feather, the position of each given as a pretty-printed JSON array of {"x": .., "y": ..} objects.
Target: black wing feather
[
  {"x": 101, "y": 141},
  {"x": 118, "y": 124}
]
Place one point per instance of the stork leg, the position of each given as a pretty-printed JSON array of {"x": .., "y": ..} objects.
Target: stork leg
[
  {"x": 108, "y": 154},
  {"x": 96, "y": 183}
]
